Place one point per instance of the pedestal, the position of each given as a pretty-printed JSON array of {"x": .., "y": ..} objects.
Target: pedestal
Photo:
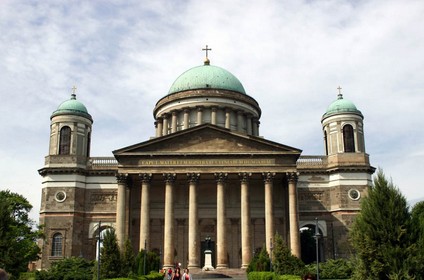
[{"x": 208, "y": 261}]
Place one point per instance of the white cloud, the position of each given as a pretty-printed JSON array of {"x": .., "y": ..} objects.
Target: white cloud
[{"x": 289, "y": 55}]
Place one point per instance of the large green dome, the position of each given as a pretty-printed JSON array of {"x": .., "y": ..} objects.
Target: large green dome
[
  {"x": 341, "y": 105},
  {"x": 206, "y": 77},
  {"x": 72, "y": 107}
]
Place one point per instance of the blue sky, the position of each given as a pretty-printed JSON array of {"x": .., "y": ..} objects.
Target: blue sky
[{"x": 289, "y": 55}]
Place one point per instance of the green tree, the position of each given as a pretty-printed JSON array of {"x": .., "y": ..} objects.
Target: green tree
[
  {"x": 417, "y": 215},
  {"x": 128, "y": 259},
  {"x": 72, "y": 268},
  {"x": 110, "y": 257},
  {"x": 283, "y": 262},
  {"x": 17, "y": 234},
  {"x": 381, "y": 234},
  {"x": 260, "y": 262},
  {"x": 152, "y": 262}
]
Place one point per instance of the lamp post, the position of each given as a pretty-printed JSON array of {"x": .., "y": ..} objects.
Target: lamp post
[
  {"x": 99, "y": 240},
  {"x": 317, "y": 236}
]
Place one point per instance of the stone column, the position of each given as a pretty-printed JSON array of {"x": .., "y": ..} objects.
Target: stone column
[
  {"x": 269, "y": 209},
  {"x": 120, "y": 209},
  {"x": 186, "y": 118},
  {"x": 174, "y": 122},
  {"x": 160, "y": 127},
  {"x": 199, "y": 115},
  {"x": 240, "y": 121},
  {"x": 168, "y": 236},
  {"x": 227, "y": 118},
  {"x": 255, "y": 126},
  {"x": 165, "y": 124},
  {"x": 249, "y": 124},
  {"x": 221, "y": 240},
  {"x": 213, "y": 115},
  {"x": 145, "y": 210},
  {"x": 246, "y": 248},
  {"x": 293, "y": 215},
  {"x": 193, "y": 223}
]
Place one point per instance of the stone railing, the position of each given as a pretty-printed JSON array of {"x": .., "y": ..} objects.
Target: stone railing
[
  {"x": 103, "y": 162},
  {"x": 312, "y": 162}
]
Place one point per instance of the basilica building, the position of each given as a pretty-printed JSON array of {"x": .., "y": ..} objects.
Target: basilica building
[{"x": 207, "y": 178}]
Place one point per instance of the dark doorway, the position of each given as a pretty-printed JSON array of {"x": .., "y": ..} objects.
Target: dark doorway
[
  {"x": 207, "y": 245},
  {"x": 308, "y": 244}
]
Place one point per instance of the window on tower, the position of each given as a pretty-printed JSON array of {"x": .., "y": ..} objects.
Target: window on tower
[
  {"x": 65, "y": 140},
  {"x": 57, "y": 243},
  {"x": 348, "y": 139}
]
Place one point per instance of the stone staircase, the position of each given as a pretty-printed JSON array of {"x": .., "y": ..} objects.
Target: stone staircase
[{"x": 230, "y": 273}]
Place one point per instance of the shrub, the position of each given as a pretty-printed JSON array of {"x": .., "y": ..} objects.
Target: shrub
[
  {"x": 260, "y": 262},
  {"x": 72, "y": 268},
  {"x": 262, "y": 275},
  {"x": 283, "y": 260}
]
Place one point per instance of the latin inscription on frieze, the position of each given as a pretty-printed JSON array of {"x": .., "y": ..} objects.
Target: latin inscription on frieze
[
  {"x": 103, "y": 197},
  {"x": 210, "y": 162}
]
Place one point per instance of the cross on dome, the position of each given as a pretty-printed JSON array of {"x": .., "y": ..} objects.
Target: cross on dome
[{"x": 207, "y": 61}]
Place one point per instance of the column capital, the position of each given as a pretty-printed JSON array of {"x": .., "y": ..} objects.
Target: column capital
[
  {"x": 145, "y": 177},
  {"x": 292, "y": 176},
  {"x": 221, "y": 177},
  {"x": 193, "y": 177},
  {"x": 121, "y": 178},
  {"x": 244, "y": 176},
  {"x": 268, "y": 176},
  {"x": 169, "y": 177}
]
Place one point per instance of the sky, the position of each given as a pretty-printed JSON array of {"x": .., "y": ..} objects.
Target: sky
[{"x": 291, "y": 56}]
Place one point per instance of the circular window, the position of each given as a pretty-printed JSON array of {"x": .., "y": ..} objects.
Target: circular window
[
  {"x": 354, "y": 194},
  {"x": 60, "y": 196}
]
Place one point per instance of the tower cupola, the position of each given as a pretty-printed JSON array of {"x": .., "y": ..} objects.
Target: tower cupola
[
  {"x": 342, "y": 125},
  {"x": 70, "y": 134}
]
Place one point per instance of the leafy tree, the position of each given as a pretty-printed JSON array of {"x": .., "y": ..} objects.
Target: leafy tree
[
  {"x": 110, "y": 257},
  {"x": 283, "y": 260},
  {"x": 417, "y": 216},
  {"x": 128, "y": 259},
  {"x": 152, "y": 262},
  {"x": 17, "y": 234},
  {"x": 68, "y": 269},
  {"x": 260, "y": 262},
  {"x": 382, "y": 235}
]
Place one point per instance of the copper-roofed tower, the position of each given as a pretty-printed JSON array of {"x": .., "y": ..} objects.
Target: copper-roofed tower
[{"x": 207, "y": 94}]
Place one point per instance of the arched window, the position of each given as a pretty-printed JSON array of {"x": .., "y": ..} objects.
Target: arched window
[
  {"x": 348, "y": 139},
  {"x": 57, "y": 244},
  {"x": 65, "y": 140}
]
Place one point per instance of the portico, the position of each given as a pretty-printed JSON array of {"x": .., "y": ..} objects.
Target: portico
[{"x": 228, "y": 190}]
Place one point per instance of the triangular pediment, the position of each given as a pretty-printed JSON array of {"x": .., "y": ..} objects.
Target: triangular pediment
[{"x": 206, "y": 139}]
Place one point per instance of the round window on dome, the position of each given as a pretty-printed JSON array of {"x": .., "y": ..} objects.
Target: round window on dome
[
  {"x": 354, "y": 194},
  {"x": 60, "y": 196}
]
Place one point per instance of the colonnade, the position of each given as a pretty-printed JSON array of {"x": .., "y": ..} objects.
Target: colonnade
[
  {"x": 193, "y": 236},
  {"x": 232, "y": 119}
]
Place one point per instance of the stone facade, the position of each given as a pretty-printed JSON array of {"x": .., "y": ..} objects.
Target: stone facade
[{"x": 203, "y": 176}]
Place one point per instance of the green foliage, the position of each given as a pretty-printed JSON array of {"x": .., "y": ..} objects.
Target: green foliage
[
  {"x": 283, "y": 262},
  {"x": 128, "y": 259},
  {"x": 261, "y": 275},
  {"x": 289, "y": 277},
  {"x": 335, "y": 269},
  {"x": 260, "y": 262},
  {"x": 110, "y": 257},
  {"x": 67, "y": 269},
  {"x": 152, "y": 262},
  {"x": 383, "y": 234},
  {"x": 27, "y": 276},
  {"x": 17, "y": 236}
]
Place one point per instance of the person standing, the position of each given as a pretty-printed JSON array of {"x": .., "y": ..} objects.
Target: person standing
[
  {"x": 187, "y": 274},
  {"x": 177, "y": 274},
  {"x": 3, "y": 274}
]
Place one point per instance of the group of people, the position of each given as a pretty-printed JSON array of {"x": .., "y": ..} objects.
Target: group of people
[{"x": 176, "y": 274}]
